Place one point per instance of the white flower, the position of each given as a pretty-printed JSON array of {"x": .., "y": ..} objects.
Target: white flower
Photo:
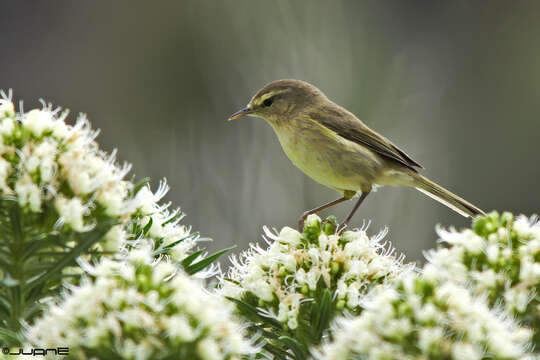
[
  {"x": 393, "y": 326},
  {"x": 523, "y": 227},
  {"x": 529, "y": 272},
  {"x": 162, "y": 272},
  {"x": 58, "y": 171},
  {"x": 136, "y": 318},
  {"x": 113, "y": 196},
  {"x": 72, "y": 212},
  {"x": 466, "y": 352},
  {"x": 178, "y": 327},
  {"x": 209, "y": 350},
  {"x": 114, "y": 238},
  {"x": 312, "y": 220},
  {"x": 485, "y": 279},
  {"x": 146, "y": 200},
  {"x": 290, "y": 236},
  {"x": 428, "y": 337},
  {"x": 60, "y": 130},
  {"x": 499, "y": 260},
  {"x": 28, "y": 193},
  {"x": 37, "y": 121},
  {"x": 7, "y": 110},
  {"x": 517, "y": 300},
  {"x": 290, "y": 270},
  {"x": 492, "y": 253},
  {"x": 467, "y": 238}
]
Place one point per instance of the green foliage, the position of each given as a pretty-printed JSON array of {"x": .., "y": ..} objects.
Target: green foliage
[
  {"x": 34, "y": 251},
  {"x": 279, "y": 340}
]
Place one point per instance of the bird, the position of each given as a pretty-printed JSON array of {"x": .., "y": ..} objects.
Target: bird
[{"x": 336, "y": 149}]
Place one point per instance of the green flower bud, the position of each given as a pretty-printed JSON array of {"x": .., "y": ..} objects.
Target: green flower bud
[{"x": 507, "y": 218}]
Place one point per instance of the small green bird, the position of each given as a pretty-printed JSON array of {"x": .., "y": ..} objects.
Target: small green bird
[{"x": 336, "y": 149}]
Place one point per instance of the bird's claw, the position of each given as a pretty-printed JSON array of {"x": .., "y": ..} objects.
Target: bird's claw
[
  {"x": 302, "y": 220},
  {"x": 301, "y": 223}
]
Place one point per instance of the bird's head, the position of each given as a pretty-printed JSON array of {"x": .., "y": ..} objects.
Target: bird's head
[{"x": 276, "y": 101}]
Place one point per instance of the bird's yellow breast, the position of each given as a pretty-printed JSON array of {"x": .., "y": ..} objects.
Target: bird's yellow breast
[{"x": 327, "y": 157}]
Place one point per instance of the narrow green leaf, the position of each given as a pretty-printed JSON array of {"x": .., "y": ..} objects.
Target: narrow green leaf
[
  {"x": 296, "y": 348},
  {"x": 4, "y": 264},
  {"x": 263, "y": 332},
  {"x": 86, "y": 241},
  {"x": 253, "y": 313},
  {"x": 187, "y": 261},
  {"x": 32, "y": 247},
  {"x": 232, "y": 281},
  {"x": 173, "y": 244},
  {"x": 9, "y": 338},
  {"x": 177, "y": 214},
  {"x": 278, "y": 353},
  {"x": 325, "y": 309},
  {"x": 5, "y": 307},
  {"x": 198, "y": 266},
  {"x": 148, "y": 226},
  {"x": 9, "y": 281},
  {"x": 139, "y": 186}
]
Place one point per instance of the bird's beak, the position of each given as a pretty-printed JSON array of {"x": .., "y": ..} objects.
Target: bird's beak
[{"x": 245, "y": 111}]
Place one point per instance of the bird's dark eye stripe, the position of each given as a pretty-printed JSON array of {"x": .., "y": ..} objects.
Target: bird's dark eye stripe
[{"x": 268, "y": 102}]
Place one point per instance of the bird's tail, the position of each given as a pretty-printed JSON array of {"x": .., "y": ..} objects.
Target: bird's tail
[{"x": 445, "y": 197}]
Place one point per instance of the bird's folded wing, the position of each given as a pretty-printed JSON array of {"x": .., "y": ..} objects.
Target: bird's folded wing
[{"x": 351, "y": 128}]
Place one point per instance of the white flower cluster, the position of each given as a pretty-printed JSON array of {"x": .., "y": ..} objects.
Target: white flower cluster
[
  {"x": 419, "y": 318},
  {"x": 52, "y": 168},
  {"x": 152, "y": 222},
  {"x": 295, "y": 266},
  {"x": 42, "y": 160},
  {"x": 500, "y": 259},
  {"x": 140, "y": 308}
]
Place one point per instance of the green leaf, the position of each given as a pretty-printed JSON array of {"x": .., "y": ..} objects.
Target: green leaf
[
  {"x": 198, "y": 266},
  {"x": 5, "y": 308},
  {"x": 139, "y": 186},
  {"x": 9, "y": 281},
  {"x": 296, "y": 348},
  {"x": 187, "y": 261},
  {"x": 278, "y": 353},
  {"x": 177, "y": 214},
  {"x": 9, "y": 338},
  {"x": 173, "y": 244},
  {"x": 325, "y": 308},
  {"x": 264, "y": 333},
  {"x": 251, "y": 312},
  {"x": 86, "y": 241},
  {"x": 148, "y": 226}
]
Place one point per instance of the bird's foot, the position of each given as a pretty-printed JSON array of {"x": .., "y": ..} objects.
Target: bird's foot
[
  {"x": 301, "y": 223},
  {"x": 302, "y": 220}
]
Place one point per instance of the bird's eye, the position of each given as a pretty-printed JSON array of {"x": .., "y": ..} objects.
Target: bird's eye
[{"x": 268, "y": 102}]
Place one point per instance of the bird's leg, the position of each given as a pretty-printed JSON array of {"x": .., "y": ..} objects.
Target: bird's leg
[
  {"x": 317, "y": 209},
  {"x": 356, "y": 206}
]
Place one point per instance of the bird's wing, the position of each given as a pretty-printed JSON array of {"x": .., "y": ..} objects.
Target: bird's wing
[{"x": 351, "y": 128}]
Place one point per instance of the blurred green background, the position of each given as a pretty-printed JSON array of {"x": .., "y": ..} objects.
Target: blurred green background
[{"x": 456, "y": 84}]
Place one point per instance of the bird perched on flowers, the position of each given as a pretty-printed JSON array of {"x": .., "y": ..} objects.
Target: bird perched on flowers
[{"x": 336, "y": 149}]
